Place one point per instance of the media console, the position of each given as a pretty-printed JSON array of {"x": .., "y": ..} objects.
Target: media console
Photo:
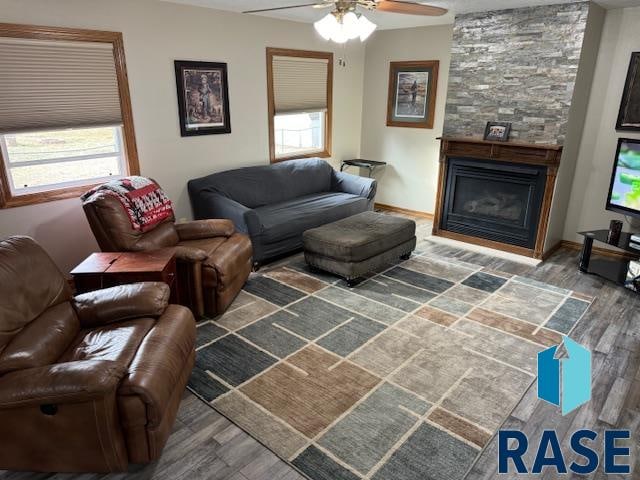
[{"x": 611, "y": 268}]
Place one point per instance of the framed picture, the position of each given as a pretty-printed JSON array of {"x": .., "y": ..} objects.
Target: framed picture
[
  {"x": 412, "y": 94},
  {"x": 203, "y": 98},
  {"x": 629, "y": 116},
  {"x": 497, "y": 131}
]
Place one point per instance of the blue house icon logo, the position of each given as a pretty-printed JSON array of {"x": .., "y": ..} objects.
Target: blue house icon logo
[{"x": 565, "y": 382}]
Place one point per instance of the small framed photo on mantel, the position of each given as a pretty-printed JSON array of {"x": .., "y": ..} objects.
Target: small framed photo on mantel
[
  {"x": 497, "y": 131},
  {"x": 412, "y": 94},
  {"x": 203, "y": 98}
]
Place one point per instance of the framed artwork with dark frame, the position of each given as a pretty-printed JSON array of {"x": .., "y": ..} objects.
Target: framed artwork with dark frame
[
  {"x": 412, "y": 94},
  {"x": 203, "y": 98},
  {"x": 629, "y": 116},
  {"x": 497, "y": 131}
]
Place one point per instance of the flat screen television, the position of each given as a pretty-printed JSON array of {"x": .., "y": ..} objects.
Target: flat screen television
[{"x": 624, "y": 192}]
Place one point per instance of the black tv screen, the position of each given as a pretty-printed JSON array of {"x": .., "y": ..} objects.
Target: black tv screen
[{"x": 624, "y": 192}]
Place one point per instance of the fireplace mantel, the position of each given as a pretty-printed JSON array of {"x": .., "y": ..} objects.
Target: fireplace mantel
[
  {"x": 515, "y": 152},
  {"x": 511, "y": 152}
]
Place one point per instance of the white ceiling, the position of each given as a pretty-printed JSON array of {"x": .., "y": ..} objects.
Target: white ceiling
[{"x": 388, "y": 20}]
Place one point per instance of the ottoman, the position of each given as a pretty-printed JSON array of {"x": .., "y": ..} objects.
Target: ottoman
[{"x": 356, "y": 245}]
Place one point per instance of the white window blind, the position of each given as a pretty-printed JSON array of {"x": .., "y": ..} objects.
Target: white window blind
[
  {"x": 47, "y": 85},
  {"x": 299, "y": 84}
]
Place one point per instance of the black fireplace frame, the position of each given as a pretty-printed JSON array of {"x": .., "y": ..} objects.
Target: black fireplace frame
[{"x": 522, "y": 233}]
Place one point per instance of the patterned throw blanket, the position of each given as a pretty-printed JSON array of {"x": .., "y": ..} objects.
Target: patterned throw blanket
[{"x": 144, "y": 201}]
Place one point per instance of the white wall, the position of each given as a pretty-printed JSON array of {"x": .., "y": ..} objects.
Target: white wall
[
  {"x": 155, "y": 34},
  {"x": 620, "y": 38},
  {"x": 411, "y": 176},
  {"x": 575, "y": 125}
]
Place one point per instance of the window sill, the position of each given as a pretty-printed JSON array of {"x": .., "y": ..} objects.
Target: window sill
[
  {"x": 12, "y": 201},
  {"x": 319, "y": 154}
]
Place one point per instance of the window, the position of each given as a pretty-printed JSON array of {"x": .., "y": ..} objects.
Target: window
[
  {"x": 300, "y": 92},
  {"x": 299, "y": 133},
  {"x": 39, "y": 161},
  {"x": 65, "y": 113}
]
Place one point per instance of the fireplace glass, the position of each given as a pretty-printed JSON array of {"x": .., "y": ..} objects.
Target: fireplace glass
[{"x": 494, "y": 200}]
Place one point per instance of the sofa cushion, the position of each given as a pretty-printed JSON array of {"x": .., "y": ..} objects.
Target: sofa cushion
[
  {"x": 117, "y": 342},
  {"x": 291, "y": 218},
  {"x": 268, "y": 184},
  {"x": 359, "y": 237}
]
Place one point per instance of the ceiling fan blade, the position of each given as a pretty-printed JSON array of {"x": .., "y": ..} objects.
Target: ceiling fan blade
[
  {"x": 283, "y": 8},
  {"x": 409, "y": 8}
]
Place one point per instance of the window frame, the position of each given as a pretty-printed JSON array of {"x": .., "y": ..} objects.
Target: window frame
[
  {"x": 328, "y": 119},
  {"x": 131, "y": 162}
]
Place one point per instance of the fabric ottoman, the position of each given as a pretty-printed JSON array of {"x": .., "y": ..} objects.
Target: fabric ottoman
[{"x": 356, "y": 245}]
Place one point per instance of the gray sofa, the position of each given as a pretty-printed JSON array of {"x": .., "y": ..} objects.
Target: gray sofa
[{"x": 275, "y": 204}]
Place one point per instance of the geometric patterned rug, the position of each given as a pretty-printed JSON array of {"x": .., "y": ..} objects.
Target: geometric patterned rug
[{"x": 407, "y": 376}]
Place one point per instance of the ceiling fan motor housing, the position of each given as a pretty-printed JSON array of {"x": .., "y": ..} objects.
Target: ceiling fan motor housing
[{"x": 342, "y": 7}]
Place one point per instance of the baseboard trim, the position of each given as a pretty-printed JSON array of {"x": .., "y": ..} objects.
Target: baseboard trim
[
  {"x": 406, "y": 211},
  {"x": 552, "y": 250},
  {"x": 605, "y": 252}
]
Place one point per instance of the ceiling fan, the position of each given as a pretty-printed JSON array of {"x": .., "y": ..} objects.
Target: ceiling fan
[{"x": 345, "y": 22}]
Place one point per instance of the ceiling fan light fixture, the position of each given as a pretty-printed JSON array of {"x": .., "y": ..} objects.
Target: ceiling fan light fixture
[
  {"x": 340, "y": 28},
  {"x": 351, "y": 25},
  {"x": 367, "y": 27},
  {"x": 340, "y": 36},
  {"x": 327, "y": 26}
]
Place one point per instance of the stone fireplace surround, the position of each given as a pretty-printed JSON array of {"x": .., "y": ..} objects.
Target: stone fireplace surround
[
  {"x": 514, "y": 153},
  {"x": 519, "y": 66},
  {"x": 532, "y": 67}
]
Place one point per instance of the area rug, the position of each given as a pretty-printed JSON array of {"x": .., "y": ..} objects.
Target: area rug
[{"x": 405, "y": 377}]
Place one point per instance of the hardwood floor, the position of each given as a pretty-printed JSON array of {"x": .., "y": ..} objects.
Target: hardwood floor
[
  {"x": 205, "y": 445},
  {"x": 611, "y": 330}
]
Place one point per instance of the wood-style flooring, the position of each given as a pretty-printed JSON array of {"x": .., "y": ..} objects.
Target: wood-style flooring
[{"x": 205, "y": 445}]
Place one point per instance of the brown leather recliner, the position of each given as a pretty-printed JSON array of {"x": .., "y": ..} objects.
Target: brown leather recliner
[
  {"x": 91, "y": 383},
  {"x": 214, "y": 261}
]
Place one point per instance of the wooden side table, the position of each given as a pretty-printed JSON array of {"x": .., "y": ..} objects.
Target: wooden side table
[{"x": 107, "y": 269}]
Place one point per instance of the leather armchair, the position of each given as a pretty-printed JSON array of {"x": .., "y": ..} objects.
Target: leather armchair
[
  {"x": 91, "y": 383},
  {"x": 214, "y": 261}
]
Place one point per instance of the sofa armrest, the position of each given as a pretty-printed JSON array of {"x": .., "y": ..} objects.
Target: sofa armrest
[
  {"x": 190, "y": 254},
  {"x": 124, "y": 302},
  {"x": 161, "y": 360},
  {"x": 205, "y": 229},
  {"x": 70, "y": 382},
  {"x": 355, "y": 185},
  {"x": 214, "y": 205}
]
